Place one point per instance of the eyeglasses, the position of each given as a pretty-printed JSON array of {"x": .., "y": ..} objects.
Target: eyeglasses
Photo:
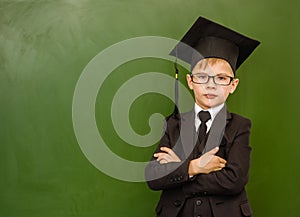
[{"x": 202, "y": 78}]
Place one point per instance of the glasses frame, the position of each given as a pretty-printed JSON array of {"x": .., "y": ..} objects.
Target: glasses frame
[{"x": 213, "y": 78}]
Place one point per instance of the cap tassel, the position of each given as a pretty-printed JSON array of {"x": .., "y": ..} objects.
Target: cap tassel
[
  {"x": 176, "y": 89},
  {"x": 175, "y": 113},
  {"x": 176, "y": 110}
]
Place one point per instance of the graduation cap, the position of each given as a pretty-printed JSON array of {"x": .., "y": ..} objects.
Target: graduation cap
[{"x": 207, "y": 39}]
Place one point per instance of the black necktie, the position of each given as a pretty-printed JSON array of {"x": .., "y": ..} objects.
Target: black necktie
[{"x": 204, "y": 116}]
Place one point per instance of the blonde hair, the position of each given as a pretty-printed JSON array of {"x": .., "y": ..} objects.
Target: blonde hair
[{"x": 202, "y": 64}]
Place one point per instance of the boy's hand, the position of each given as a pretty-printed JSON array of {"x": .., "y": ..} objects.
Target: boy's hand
[
  {"x": 167, "y": 156},
  {"x": 207, "y": 163}
]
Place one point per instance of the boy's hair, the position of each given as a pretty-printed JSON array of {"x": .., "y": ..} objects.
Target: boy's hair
[{"x": 202, "y": 64}]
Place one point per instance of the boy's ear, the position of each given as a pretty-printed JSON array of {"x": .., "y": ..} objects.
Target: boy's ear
[
  {"x": 234, "y": 85},
  {"x": 189, "y": 81}
]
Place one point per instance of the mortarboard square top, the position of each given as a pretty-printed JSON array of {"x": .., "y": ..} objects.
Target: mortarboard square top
[{"x": 206, "y": 39}]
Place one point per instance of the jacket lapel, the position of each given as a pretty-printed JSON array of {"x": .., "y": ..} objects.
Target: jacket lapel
[
  {"x": 217, "y": 130},
  {"x": 188, "y": 135},
  {"x": 227, "y": 134}
]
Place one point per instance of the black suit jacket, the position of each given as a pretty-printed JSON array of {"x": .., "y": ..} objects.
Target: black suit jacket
[{"x": 223, "y": 189}]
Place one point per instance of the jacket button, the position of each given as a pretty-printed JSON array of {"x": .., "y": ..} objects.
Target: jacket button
[
  {"x": 198, "y": 202},
  {"x": 177, "y": 203}
]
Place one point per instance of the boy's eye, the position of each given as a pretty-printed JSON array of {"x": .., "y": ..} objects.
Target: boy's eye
[
  {"x": 221, "y": 78},
  {"x": 201, "y": 76}
]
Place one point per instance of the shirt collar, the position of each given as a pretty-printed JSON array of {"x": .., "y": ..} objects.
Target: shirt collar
[{"x": 213, "y": 111}]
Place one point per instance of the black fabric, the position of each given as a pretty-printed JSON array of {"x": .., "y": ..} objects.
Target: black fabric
[
  {"x": 204, "y": 116},
  {"x": 224, "y": 189},
  {"x": 209, "y": 39},
  {"x": 213, "y": 47}
]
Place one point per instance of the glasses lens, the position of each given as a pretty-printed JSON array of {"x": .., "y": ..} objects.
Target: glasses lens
[
  {"x": 200, "y": 78},
  {"x": 222, "y": 79}
]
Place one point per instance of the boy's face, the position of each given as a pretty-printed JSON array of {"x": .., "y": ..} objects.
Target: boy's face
[{"x": 210, "y": 94}]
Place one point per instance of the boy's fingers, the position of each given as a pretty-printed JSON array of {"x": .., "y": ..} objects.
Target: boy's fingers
[
  {"x": 167, "y": 155},
  {"x": 169, "y": 151},
  {"x": 213, "y": 151},
  {"x": 221, "y": 160},
  {"x": 163, "y": 157},
  {"x": 163, "y": 162},
  {"x": 159, "y": 154},
  {"x": 166, "y": 149},
  {"x": 222, "y": 165}
]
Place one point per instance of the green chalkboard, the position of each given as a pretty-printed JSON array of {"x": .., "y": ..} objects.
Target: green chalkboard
[{"x": 45, "y": 48}]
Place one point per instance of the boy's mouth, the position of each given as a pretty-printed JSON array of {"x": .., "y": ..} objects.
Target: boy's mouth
[{"x": 210, "y": 96}]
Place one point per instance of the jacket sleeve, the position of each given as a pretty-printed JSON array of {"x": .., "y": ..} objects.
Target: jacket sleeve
[
  {"x": 234, "y": 176},
  {"x": 170, "y": 175}
]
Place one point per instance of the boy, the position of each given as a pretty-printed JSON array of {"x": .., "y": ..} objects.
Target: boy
[{"x": 196, "y": 176}]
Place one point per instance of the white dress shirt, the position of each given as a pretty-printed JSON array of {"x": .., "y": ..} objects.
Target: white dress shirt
[{"x": 213, "y": 112}]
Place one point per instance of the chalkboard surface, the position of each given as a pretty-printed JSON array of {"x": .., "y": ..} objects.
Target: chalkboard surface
[{"x": 45, "y": 46}]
